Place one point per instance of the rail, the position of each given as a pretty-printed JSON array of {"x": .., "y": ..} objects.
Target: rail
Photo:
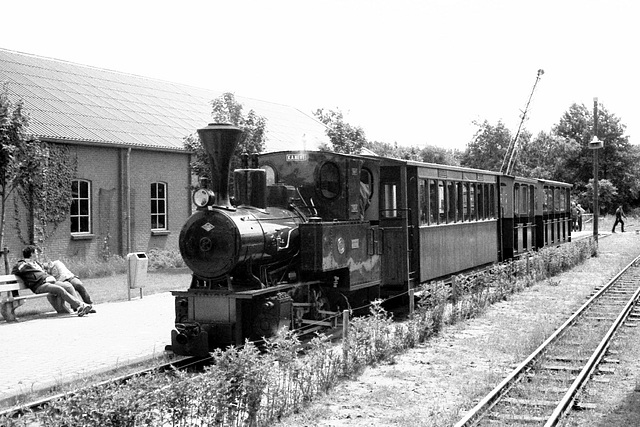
[{"x": 482, "y": 410}]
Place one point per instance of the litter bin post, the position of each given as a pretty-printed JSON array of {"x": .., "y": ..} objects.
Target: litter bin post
[{"x": 137, "y": 263}]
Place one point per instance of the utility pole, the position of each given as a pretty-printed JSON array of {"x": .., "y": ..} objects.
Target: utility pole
[
  {"x": 509, "y": 157},
  {"x": 595, "y": 145}
]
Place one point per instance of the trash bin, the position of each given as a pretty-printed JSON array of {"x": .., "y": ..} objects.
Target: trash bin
[{"x": 137, "y": 263}]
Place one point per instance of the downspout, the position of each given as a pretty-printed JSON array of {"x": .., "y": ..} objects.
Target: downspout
[{"x": 128, "y": 198}]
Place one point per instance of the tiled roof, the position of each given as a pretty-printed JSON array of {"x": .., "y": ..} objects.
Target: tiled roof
[{"x": 73, "y": 102}]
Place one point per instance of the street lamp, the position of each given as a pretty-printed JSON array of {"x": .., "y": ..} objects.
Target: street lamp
[{"x": 595, "y": 144}]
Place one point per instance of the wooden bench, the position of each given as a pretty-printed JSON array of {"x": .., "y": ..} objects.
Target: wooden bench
[{"x": 10, "y": 283}]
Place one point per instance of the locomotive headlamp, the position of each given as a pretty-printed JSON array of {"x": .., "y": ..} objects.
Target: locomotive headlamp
[{"x": 203, "y": 197}]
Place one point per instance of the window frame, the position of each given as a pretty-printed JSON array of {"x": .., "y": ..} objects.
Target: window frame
[
  {"x": 154, "y": 202},
  {"x": 76, "y": 204}
]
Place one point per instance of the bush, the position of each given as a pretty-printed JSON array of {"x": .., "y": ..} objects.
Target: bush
[
  {"x": 160, "y": 259},
  {"x": 246, "y": 388}
]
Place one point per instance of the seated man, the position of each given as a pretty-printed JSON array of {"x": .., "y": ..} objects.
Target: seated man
[
  {"x": 36, "y": 279},
  {"x": 62, "y": 274}
]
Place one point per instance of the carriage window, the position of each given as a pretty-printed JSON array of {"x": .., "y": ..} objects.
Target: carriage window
[
  {"x": 487, "y": 203},
  {"x": 424, "y": 202},
  {"x": 390, "y": 204},
  {"x": 562, "y": 198},
  {"x": 516, "y": 198},
  {"x": 556, "y": 200},
  {"x": 460, "y": 201},
  {"x": 329, "y": 180},
  {"x": 524, "y": 199},
  {"x": 271, "y": 175},
  {"x": 465, "y": 201},
  {"x": 451, "y": 199},
  {"x": 433, "y": 202},
  {"x": 472, "y": 202},
  {"x": 441, "y": 205},
  {"x": 492, "y": 201},
  {"x": 480, "y": 203},
  {"x": 548, "y": 200}
]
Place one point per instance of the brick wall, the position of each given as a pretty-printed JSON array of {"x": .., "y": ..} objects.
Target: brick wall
[{"x": 105, "y": 168}]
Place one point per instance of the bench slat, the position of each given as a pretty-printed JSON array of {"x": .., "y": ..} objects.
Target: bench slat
[{"x": 9, "y": 283}]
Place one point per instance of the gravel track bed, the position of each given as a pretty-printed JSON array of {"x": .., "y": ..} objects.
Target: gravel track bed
[{"x": 436, "y": 382}]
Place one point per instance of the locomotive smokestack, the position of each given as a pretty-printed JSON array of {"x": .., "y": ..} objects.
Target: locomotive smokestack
[{"x": 219, "y": 141}]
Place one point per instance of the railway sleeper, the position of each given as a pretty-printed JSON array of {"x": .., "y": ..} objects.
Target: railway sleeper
[{"x": 530, "y": 402}]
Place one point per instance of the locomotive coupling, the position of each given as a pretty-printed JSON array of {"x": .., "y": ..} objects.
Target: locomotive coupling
[
  {"x": 190, "y": 340},
  {"x": 185, "y": 332}
]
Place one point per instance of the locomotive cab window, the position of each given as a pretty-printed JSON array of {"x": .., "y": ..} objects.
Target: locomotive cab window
[
  {"x": 329, "y": 180},
  {"x": 271, "y": 174},
  {"x": 366, "y": 183}
]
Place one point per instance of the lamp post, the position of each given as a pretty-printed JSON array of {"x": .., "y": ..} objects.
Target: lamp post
[{"x": 595, "y": 145}]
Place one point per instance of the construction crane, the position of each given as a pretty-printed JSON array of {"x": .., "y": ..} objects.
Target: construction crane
[{"x": 510, "y": 156}]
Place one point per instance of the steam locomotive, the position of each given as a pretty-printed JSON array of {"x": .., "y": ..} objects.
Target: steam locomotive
[{"x": 311, "y": 233}]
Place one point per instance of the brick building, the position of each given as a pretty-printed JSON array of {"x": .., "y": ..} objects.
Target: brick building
[{"x": 131, "y": 192}]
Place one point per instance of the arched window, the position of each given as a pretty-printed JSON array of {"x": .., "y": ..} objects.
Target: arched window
[
  {"x": 80, "y": 212},
  {"x": 158, "y": 206}
]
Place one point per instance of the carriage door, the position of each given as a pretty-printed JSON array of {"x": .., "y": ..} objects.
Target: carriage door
[{"x": 393, "y": 222}]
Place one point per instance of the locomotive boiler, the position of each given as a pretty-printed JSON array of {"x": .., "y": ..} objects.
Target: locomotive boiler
[{"x": 271, "y": 259}]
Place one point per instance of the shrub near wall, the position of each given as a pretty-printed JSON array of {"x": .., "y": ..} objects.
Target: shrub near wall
[{"x": 247, "y": 388}]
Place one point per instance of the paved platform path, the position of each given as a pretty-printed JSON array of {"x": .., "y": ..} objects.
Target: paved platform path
[{"x": 42, "y": 351}]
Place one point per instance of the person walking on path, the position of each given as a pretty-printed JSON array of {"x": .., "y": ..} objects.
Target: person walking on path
[
  {"x": 580, "y": 212},
  {"x": 40, "y": 282},
  {"x": 574, "y": 217},
  {"x": 619, "y": 215}
]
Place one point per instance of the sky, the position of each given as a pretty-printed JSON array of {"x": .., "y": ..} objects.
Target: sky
[{"x": 406, "y": 72}]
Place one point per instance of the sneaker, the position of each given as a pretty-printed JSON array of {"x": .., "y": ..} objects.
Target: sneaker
[
  {"x": 84, "y": 309},
  {"x": 92, "y": 311}
]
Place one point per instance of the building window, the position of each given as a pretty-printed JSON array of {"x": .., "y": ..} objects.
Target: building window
[
  {"x": 80, "y": 214},
  {"x": 158, "y": 206}
]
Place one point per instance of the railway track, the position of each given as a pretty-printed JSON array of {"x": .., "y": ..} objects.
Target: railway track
[{"x": 545, "y": 387}]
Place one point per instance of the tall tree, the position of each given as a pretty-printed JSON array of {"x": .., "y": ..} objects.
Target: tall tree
[
  {"x": 440, "y": 155},
  {"x": 607, "y": 196},
  {"x": 616, "y": 160},
  {"x": 226, "y": 109},
  {"x": 545, "y": 157},
  {"x": 344, "y": 137},
  {"x": 427, "y": 154},
  {"x": 489, "y": 145}
]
